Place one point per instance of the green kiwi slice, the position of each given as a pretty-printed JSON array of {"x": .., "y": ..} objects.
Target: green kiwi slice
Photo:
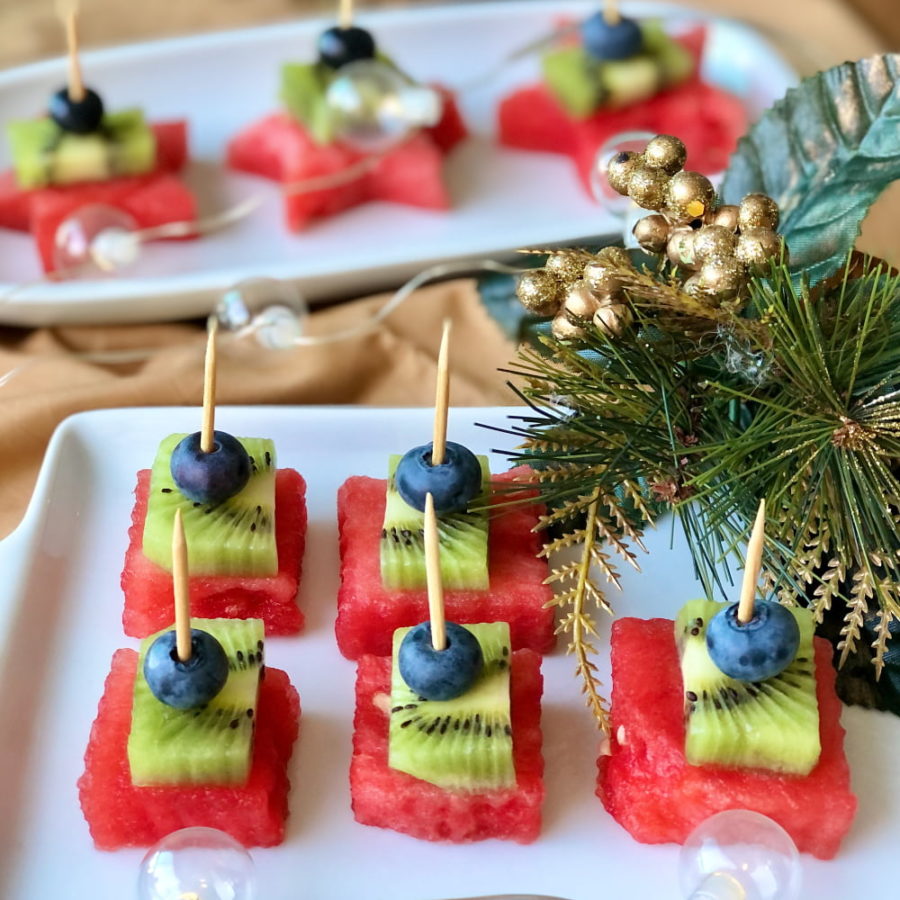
[
  {"x": 236, "y": 537},
  {"x": 463, "y": 539},
  {"x": 464, "y": 744},
  {"x": 209, "y": 745},
  {"x": 771, "y": 724},
  {"x": 44, "y": 154}
]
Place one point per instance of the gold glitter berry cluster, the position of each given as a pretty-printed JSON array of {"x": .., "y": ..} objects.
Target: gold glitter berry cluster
[
  {"x": 578, "y": 288},
  {"x": 720, "y": 246}
]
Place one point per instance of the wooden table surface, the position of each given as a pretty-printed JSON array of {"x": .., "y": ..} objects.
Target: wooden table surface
[{"x": 820, "y": 32}]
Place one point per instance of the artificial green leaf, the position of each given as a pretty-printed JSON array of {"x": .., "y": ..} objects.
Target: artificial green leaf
[{"x": 824, "y": 153}]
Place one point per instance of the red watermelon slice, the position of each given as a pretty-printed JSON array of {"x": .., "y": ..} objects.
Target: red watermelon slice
[
  {"x": 649, "y": 788},
  {"x": 148, "y": 587},
  {"x": 386, "y": 798},
  {"x": 279, "y": 148},
  {"x": 152, "y": 199},
  {"x": 368, "y": 614},
  {"x": 122, "y": 815},
  {"x": 708, "y": 120}
]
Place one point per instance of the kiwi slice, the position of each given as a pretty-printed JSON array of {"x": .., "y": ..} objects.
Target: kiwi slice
[
  {"x": 236, "y": 537},
  {"x": 572, "y": 77},
  {"x": 771, "y": 724},
  {"x": 209, "y": 745},
  {"x": 464, "y": 744},
  {"x": 463, "y": 539},
  {"x": 44, "y": 154}
]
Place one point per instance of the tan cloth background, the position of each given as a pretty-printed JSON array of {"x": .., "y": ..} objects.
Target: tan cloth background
[{"x": 393, "y": 366}]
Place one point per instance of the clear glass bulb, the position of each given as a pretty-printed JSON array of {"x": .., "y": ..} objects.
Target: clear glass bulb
[
  {"x": 196, "y": 864},
  {"x": 374, "y": 107},
  {"x": 95, "y": 239},
  {"x": 612, "y": 201},
  {"x": 238, "y": 305},
  {"x": 739, "y": 855}
]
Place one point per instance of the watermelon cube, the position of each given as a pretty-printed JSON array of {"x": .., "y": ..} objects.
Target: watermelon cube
[
  {"x": 649, "y": 788},
  {"x": 279, "y": 148},
  {"x": 708, "y": 120},
  {"x": 387, "y": 798},
  {"x": 368, "y": 614},
  {"x": 148, "y": 587},
  {"x": 122, "y": 815}
]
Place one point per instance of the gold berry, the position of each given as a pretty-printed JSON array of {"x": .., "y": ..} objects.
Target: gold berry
[
  {"x": 757, "y": 246},
  {"x": 647, "y": 187},
  {"x": 726, "y": 216},
  {"x": 713, "y": 241},
  {"x": 690, "y": 196},
  {"x": 564, "y": 330},
  {"x": 613, "y": 319},
  {"x": 665, "y": 152},
  {"x": 618, "y": 257},
  {"x": 757, "y": 211},
  {"x": 652, "y": 233},
  {"x": 581, "y": 303},
  {"x": 538, "y": 292},
  {"x": 680, "y": 248},
  {"x": 565, "y": 266},
  {"x": 722, "y": 279},
  {"x": 600, "y": 279},
  {"x": 619, "y": 169}
]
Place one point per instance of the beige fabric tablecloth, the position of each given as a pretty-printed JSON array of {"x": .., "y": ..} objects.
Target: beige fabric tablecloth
[{"x": 393, "y": 366}]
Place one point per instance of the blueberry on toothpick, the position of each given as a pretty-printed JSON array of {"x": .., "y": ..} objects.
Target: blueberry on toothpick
[
  {"x": 607, "y": 35},
  {"x": 210, "y": 466},
  {"x": 75, "y": 108},
  {"x": 185, "y": 667},
  {"x": 439, "y": 660},
  {"x": 345, "y": 42},
  {"x": 446, "y": 470},
  {"x": 753, "y": 641}
]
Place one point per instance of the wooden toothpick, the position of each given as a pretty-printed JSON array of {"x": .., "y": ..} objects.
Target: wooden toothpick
[
  {"x": 433, "y": 577},
  {"x": 207, "y": 439},
  {"x": 611, "y": 12},
  {"x": 441, "y": 398},
  {"x": 345, "y": 13},
  {"x": 180, "y": 585},
  {"x": 68, "y": 12},
  {"x": 752, "y": 565}
]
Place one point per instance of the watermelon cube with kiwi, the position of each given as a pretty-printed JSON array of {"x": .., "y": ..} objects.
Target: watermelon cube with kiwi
[
  {"x": 245, "y": 555},
  {"x": 280, "y": 148},
  {"x": 368, "y": 613},
  {"x": 388, "y": 798},
  {"x": 121, "y": 814},
  {"x": 648, "y": 786},
  {"x": 707, "y": 119}
]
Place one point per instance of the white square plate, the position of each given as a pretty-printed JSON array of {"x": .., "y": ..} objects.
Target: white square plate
[
  {"x": 60, "y": 622},
  {"x": 503, "y": 199}
]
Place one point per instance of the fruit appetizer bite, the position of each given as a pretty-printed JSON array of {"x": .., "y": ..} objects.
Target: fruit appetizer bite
[
  {"x": 620, "y": 75},
  {"x": 447, "y": 732},
  {"x": 192, "y": 730},
  {"x": 354, "y": 129},
  {"x": 489, "y": 567},
  {"x": 244, "y": 517},
  {"x": 729, "y": 707},
  {"x": 80, "y": 156}
]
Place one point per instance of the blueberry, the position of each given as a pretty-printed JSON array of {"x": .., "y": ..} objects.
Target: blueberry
[
  {"x": 440, "y": 674},
  {"x": 81, "y": 117},
  {"x": 186, "y": 685},
  {"x": 339, "y": 46},
  {"x": 210, "y": 477},
  {"x": 610, "y": 41},
  {"x": 761, "y": 649},
  {"x": 452, "y": 484}
]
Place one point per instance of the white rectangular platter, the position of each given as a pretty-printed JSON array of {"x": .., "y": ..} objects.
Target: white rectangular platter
[
  {"x": 60, "y": 624},
  {"x": 503, "y": 199}
]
